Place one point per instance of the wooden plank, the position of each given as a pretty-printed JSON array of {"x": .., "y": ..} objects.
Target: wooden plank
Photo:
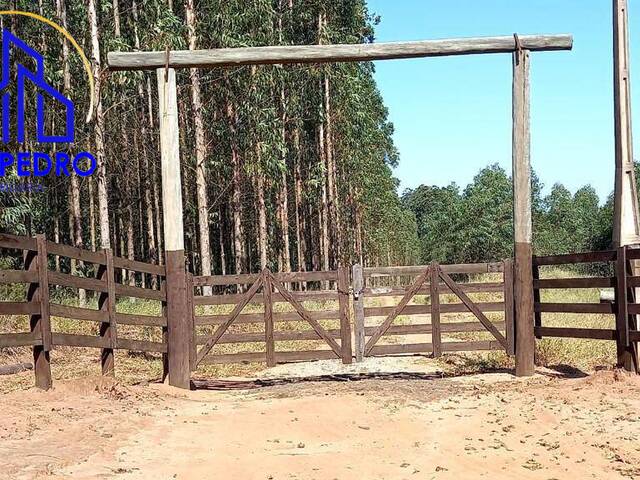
[
  {"x": 19, "y": 340},
  {"x": 233, "y": 298},
  {"x": 73, "y": 281},
  {"x": 137, "y": 266},
  {"x": 574, "y": 308},
  {"x": 135, "y": 319},
  {"x": 20, "y": 308},
  {"x": 417, "y": 269},
  {"x": 44, "y": 321},
  {"x": 138, "y": 292},
  {"x": 252, "y": 357},
  {"x": 76, "y": 253},
  {"x": 17, "y": 276},
  {"x": 537, "y": 316},
  {"x": 522, "y": 224},
  {"x": 633, "y": 308},
  {"x": 358, "y": 311},
  {"x": 35, "y": 294},
  {"x": 72, "y": 340},
  {"x": 509, "y": 306},
  {"x": 426, "y": 309},
  {"x": 572, "y": 258},
  {"x": 488, "y": 287},
  {"x": 17, "y": 242},
  {"x": 247, "y": 318},
  {"x": 223, "y": 328},
  {"x": 473, "y": 308},
  {"x": 361, "y": 52},
  {"x": 270, "y": 347},
  {"x": 436, "y": 333},
  {"x": 77, "y": 313},
  {"x": 191, "y": 316},
  {"x": 471, "y": 346},
  {"x": 625, "y": 354},
  {"x": 564, "y": 283},
  {"x": 565, "y": 332},
  {"x": 246, "y": 278},
  {"x": 107, "y": 304},
  {"x": 305, "y": 314},
  {"x": 141, "y": 345},
  {"x": 345, "y": 322},
  {"x": 426, "y": 348},
  {"x": 633, "y": 281},
  {"x": 306, "y": 356},
  {"x": 397, "y": 310}
]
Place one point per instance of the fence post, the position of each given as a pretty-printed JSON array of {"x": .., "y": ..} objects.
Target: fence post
[
  {"x": 267, "y": 291},
  {"x": 40, "y": 323},
  {"x": 165, "y": 330},
  {"x": 178, "y": 326},
  {"x": 193, "y": 340},
  {"x": 107, "y": 303},
  {"x": 625, "y": 349},
  {"x": 434, "y": 291},
  {"x": 358, "y": 311},
  {"x": 345, "y": 322},
  {"x": 509, "y": 320},
  {"x": 523, "y": 275}
]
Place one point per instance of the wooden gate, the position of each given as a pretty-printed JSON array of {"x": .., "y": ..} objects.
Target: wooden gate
[
  {"x": 376, "y": 291},
  {"x": 272, "y": 302}
]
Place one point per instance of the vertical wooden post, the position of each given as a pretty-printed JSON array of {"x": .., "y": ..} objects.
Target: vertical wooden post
[
  {"x": 267, "y": 289},
  {"x": 191, "y": 313},
  {"x": 434, "y": 291},
  {"x": 345, "y": 323},
  {"x": 178, "y": 325},
  {"x": 40, "y": 323},
  {"x": 509, "y": 319},
  {"x": 626, "y": 353},
  {"x": 537, "y": 316},
  {"x": 107, "y": 303},
  {"x": 165, "y": 330},
  {"x": 523, "y": 275},
  {"x": 358, "y": 311},
  {"x": 626, "y": 227}
]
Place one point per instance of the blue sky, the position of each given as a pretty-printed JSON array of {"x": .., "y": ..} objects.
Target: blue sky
[{"x": 453, "y": 115}]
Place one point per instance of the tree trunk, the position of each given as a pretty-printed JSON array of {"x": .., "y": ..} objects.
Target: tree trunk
[
  {"x": 236, "y": 205},
  {"x": 262, "y": 220},
  {"x": 201, "y": 152},
  {"x": 101, "y": 175},
  {"x": 92, "y": 215},
  {"x": 223, "y": 257}
]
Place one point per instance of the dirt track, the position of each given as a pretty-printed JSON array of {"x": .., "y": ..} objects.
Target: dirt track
[{"x": 484, "y": 426}]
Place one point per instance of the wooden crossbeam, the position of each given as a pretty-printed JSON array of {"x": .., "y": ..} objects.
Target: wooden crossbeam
[
  {"x": 415, "y": 287},
  {"x": 206, "y": 348},
  {"x": 473, "y": 308},
  {"x": 322, "y": 333},
  {"x": 362, "y": 52}
]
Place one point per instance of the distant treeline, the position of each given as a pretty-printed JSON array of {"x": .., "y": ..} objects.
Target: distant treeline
[{"x": 475, "y": 224}]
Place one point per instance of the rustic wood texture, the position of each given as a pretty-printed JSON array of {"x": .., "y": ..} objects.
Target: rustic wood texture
[
  {"x": 206, "y": 348},
  {"x": 17, "y": 242},
  {"x": 107, "y": 304},
  {"x": 570, "y": 332},
  {"x": 509, "y": 317},
  {"x": 572, "y": 258},
  {"x": 322, "y": 333},
  {"x": 191, "y": 316},
  {"x": 625, "y": 351},
  {"x": 270, "y": 345},
  {"x": 468, "y": 268},
  {"x": 358, "y": 311},
  {"x": 397, "y": 310},
  {"x": 178, "y": 324},
  {"x": 473, "y": 308},
  {"x": 345, "y": 322},
  {"x": 228, "y": 57},
  {"x": 436, "y": 332},
  {"x": 523, "y": 274},
  {"x": 40, "y": 323}
]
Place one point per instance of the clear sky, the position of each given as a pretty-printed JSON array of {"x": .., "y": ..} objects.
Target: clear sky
[{"x": 453, "y": 115}]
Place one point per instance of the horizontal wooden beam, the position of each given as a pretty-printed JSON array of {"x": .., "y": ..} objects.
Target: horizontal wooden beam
[{"x": 363, "y": 52}]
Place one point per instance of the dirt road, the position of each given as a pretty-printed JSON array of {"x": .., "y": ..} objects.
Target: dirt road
[{"x": 488, "y": 426}]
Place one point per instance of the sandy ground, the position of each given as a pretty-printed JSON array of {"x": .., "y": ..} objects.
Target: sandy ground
[{"x": 418, "y": 427}]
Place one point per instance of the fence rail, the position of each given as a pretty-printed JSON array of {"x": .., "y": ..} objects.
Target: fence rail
[{"x": 43, "y": 310}]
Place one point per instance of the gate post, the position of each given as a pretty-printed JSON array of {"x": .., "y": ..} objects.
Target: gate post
[
  {"x": 345, "y": 321},
  {"x": 178, "y": 323},
  {"x": 523, "y": 274},
  {"x": 358, "y": 311}
]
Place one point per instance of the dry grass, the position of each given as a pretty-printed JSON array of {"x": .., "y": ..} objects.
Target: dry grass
[{"x": 134, "y": 367}]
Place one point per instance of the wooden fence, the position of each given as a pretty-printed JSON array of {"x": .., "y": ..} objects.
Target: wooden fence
[
  {"x": 43, "y": 312},
  {"x": 377, "y": 290},
  {"x": 621, "y": 278}
]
